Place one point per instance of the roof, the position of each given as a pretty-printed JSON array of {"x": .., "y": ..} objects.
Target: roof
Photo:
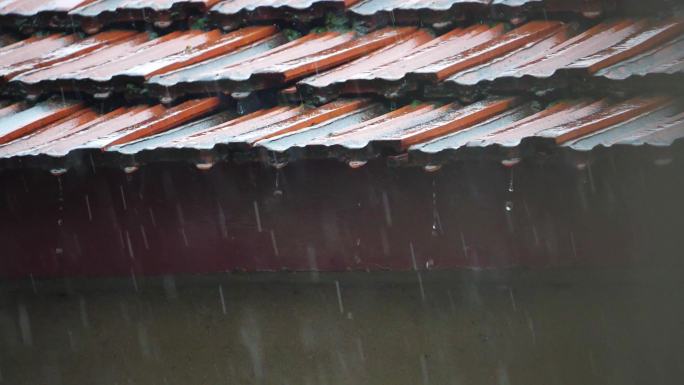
[
  {"x": 123, "y": 58},
  {"x": 35, "y": 7},
  {"x": 347, "y": 129},
  {"x": 557, "y": 84},
  {"x": 57, "y": 128},
  {"x": 97, "y": 14},
  {"x": 465, "y": 63},
  {"x": 230, "y": 14},
  {"x": 276, "y": 66},
  {"x": 207, "y": 101},
  {"x": 94, "y": 15},
  {"x": 464, "y": 60}
]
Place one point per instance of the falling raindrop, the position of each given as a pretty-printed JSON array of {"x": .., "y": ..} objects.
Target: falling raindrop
[
  {"x": 250, "y": 333},
  {"x": 129, "y": 245},
  {"x": 134, "y": 280},
  {"x": 223, "y": 302},
  {"x": 170, "y": 287},
  {"x": 508, "y": 206},
  {"x": 33, "y": 284},
  {"x": 123, "y": 197},
  {"x": 436, "y": 223},
  {"x": 92, "y": 164},
  {"x": 357, "y": 251},
  {"x": 144, "y": 341},
  {"x": 535, "y": 235},
  {"x": 25, "y": 325},
  {"x": 258, "y": 217},
  {"x": 503, "y": 375},
  {"x": 84, "y": 313},
  {"x": 144, "y": 237},
  {"x": 339, "y": 297},
  {"x": 384, "y": 242},
  {"x": 90, "y": 213},
  {"x": 424, "y": 369},
  {"x": 184, "y": 236},
  {"x": 60, "y": 200},
  {"x": 152, "y": 218},
  {"x": 386, "y": 206},
  {"x": 274, "y": 244},
  {"x": 359, "y": 347},
  {"x": 510, "y": 293},
  {"x": 464, "y": 246},
  {"x": 590, "y": 175},
  {"x": 420, "y": 286}
]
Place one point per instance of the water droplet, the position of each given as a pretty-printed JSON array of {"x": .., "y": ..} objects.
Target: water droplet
[
  {"x": 510, "y": 162},
  {"x": 509, "y": 206},
  {"x": 436, "y": 222},
  {"x": 435, "y": 229},
  {"x": 58, "y": 171},
  {"x": 429, "y": 264},
  {"x": 130, "y": 169},
  {"x": 357, "y": 163},
  {"x": 432, "y": 167},
  {"x": 204, "y": 166},
  {"x": 277, "y": 192}
]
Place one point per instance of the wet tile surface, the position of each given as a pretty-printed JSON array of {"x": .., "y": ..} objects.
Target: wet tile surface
[
  {"x": 345, "y": 128},
  {"x": 466, "y": 63}
]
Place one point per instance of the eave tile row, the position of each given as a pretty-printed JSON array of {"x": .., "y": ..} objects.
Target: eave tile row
[
  {"x": 93, "y": 15},
  {"x": 466, "y": 63},
  {"x": 349, "y": 129}
]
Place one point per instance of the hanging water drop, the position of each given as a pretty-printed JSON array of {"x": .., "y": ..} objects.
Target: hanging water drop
[
  {"x": 277, "y": 192},
  {"x": 436, "y": 223},
  {"x": 508, "y": 206}
]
